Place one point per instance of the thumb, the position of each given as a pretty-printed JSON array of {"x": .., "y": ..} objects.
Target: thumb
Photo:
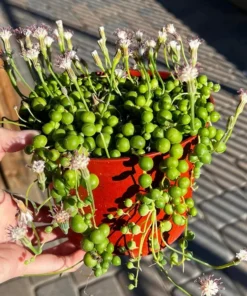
[{"x": 12, "y": 141}]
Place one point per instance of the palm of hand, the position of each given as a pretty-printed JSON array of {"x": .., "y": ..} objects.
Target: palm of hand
[{"x": 13, "y": 254}]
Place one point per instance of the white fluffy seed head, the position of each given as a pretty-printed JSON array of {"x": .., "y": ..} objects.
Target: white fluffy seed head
[
  {"x": 187, "y": 73},
  {"x": 17, "y": 233},
  {"x": 242, "y": 255},
  {"x": 38, "y": 166},
  {"x": 209, "y": 285}
]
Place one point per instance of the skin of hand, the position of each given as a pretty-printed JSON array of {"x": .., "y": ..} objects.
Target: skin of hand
[{"x": 13, "y": 254}]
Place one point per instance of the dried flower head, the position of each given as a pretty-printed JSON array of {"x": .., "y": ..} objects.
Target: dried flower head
[
  {"x": 242, "y": 255},
  {"x": 21, "y": 33},
  {"x": 64, "y": 61},
  {"x": 209, "y": 285},
  {"x": 38, "y": 166},
  {"x": 243, "y": 95},
  {"x": 61, "y": 217},
  {"x": 5, "y": 33},
  {"x": 79, "y": 161},
  {"x": 187, "y": 73},
  {"x": 25, "y": 216},
  {"x": 68, "y": 34},
  {"x": 17, "y": 233}
]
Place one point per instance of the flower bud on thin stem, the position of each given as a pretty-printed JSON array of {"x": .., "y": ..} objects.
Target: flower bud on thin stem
[
  {"x": 61, "y": 35},
  {"x": 97, "y": 60}
]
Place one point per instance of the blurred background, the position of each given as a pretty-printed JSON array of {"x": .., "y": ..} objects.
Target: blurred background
[{"x": 221, "y": 228}]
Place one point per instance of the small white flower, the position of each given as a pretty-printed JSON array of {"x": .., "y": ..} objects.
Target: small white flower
[
  {"x": 73, "y": 55},
  {"x": 162, "y": 36},
  {"x": 17, "y": 233},
  {"x": 40, "y": 32},
  {"x": 151, "y": 43},
  {"x": 68, "y": 35},
  {"x": 243, "y": 95},
  {"x": 27, "y": 32},
  {"x": 120, "y": 73},
  {"x": 209, "y": 286},
  {"x": 79, "y": 161},
  {"x": 171, "y": 29},
  {"x": 142, "y": 50},
  {"x": 242, "y": 255},
  {"x": 5, "y": 33},
  {"x": 48, "y": 41},
  {"x": 139, "y": 35},
  {"x": 125, "y": 43},
  {"x": 174, "y": 45},
  {"x": 121, "y": 34},
  {"x": 187, "y": 73},
  {"x": 38, "y": 166},
  {"x": 194, "y": 43}
]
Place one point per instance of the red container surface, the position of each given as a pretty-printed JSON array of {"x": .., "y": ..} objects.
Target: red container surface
[{"x": 118, "y": 181}]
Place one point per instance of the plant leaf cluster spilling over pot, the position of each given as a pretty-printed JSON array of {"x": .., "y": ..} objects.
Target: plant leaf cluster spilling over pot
[{"x": 117, "y": 113}]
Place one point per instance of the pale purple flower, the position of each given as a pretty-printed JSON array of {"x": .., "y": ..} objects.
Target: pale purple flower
[
  {"x": 21, "y": 33},
  {"x": 40, "y": 32},
  {"x": 17, "y": 233},
  {"x": 73, "y": 55},
  {"x": 187, "y": 73},
  {"x": 38, "y": 166},
  {"x": 209, "y": 285},
  {"x": 242, "y": 255},
  {"x": 124, "y": 43},
  {"x": 64, "y": 61}
]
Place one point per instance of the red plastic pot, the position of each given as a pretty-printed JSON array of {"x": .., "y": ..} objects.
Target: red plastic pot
[{"x": 118, "y": 181}]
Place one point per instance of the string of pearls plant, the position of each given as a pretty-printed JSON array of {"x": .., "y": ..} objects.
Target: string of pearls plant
[{"x": 84, "y": 115}]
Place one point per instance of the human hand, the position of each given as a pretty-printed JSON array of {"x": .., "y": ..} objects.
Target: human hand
[{"x": 13, "y": 254}]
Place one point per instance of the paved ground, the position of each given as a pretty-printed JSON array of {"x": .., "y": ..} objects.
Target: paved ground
[{"x": 222, "y": 198}]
